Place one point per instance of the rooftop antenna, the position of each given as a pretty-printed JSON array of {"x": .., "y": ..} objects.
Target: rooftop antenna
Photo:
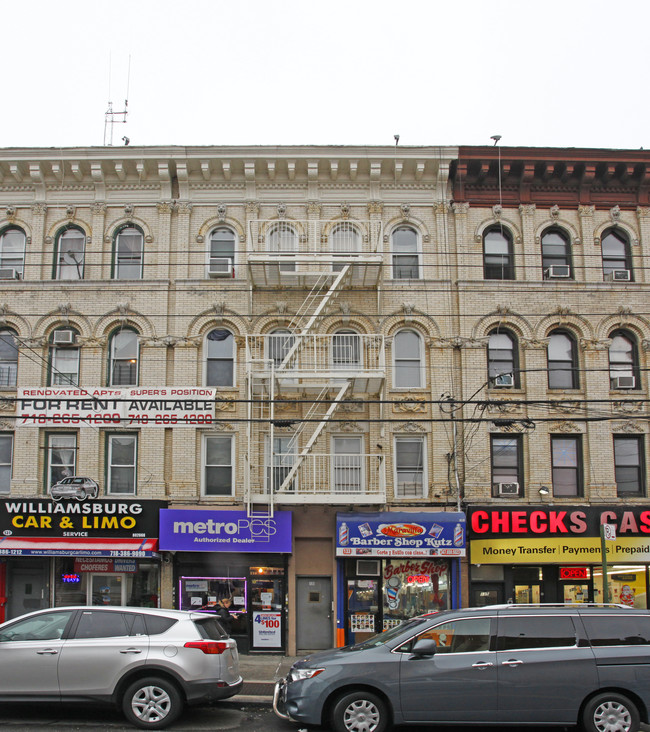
[{"x": 111, "y": 118}]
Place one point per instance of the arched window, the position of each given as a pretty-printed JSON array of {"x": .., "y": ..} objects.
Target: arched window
[
  {"x": 406, "y": 253},
  {"x": 617, "y": 259},
  {"x": 12, "y": 252},
  {"x": 346, "y": 350},
  {"x": 498, "y": 257},
  {"x": 562, "y": 361},
  {"x": 70, "y": 252},
  {"x": 220, "y": 359},
  {"x": 128, "y": 254},
  {"x": 556, "y": 255},
  {"x": 124, "y": 356},
  {"x": 279, "y": 343},
  {"x": 407, "y": 359},
  {"x": 64, "y": 358},
  {"x": 503, "y": 366},
  {"x": 282, "y": 240},
  {"x": 8, "y": 358},
  {"x": 222, "y": 253},
  {"x": 344, "y": 241},
  {"x": 623, "y": 361}
]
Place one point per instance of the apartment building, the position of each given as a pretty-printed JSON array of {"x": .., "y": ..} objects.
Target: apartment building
[{"x": 289, "y": 375}]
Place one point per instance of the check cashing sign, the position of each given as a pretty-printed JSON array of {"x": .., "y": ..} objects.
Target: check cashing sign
[
  {"x": 169, "y": 406},
  {"x": 559, "y": 534}
]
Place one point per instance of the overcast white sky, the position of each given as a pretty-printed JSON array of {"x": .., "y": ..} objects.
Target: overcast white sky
[{"x": 566, "y": 73}]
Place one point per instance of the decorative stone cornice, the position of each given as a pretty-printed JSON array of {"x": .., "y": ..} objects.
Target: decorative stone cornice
[{"x": 564, "y": 427}]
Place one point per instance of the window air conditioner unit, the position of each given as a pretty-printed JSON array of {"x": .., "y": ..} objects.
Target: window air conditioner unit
[
  {"x": 220, "y": 267},
  {"x": 508, "y": 489},
  {"x": 9, "y": 273},
  {"x": 557, "y": 271},
  {"x": 64, "y": 337},
  {"x": 623, "y": 382},
  {"x": 618, "y": 275},
  {"x": 504, "y": 380},
  {"x": 368, "y": 567}
]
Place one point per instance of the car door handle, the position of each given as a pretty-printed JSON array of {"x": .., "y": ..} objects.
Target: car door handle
[
  {"x": 482, "y": 664},
  {"x": 47, "y": 652},
  {"x": 512, "y": 662},
  {"x": 131, "y": 650}
]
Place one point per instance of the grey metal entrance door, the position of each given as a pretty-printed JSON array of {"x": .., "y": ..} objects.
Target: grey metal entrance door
[
  {"x": 28, "y": 587},
  {"x": 313, "y": 613}
]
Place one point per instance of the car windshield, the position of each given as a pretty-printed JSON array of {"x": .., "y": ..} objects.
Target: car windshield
[{"x": 388, "y": 635}]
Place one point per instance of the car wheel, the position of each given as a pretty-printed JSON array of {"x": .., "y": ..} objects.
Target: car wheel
[
  {"x": 610, "y": 713},
  {"x": 56, "y": 498},
  {"x": 360, "y": 711},
  {"x": 82, "y": 495},
  {"x": 152, "y": 703}
]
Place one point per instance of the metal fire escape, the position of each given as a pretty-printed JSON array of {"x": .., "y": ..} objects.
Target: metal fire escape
[{"x": 320, "y": 370}]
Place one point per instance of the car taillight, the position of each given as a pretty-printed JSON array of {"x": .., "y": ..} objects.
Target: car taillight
[{"x": 208, "y": 646}]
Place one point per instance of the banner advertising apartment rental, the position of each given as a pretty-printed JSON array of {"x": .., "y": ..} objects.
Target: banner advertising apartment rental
[{"x": 167, "y": 406}]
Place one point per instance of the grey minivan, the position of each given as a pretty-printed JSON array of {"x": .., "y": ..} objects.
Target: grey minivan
[{"x": 506, "y": 664}]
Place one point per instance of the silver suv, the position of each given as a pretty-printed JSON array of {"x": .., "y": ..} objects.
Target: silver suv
[
  {"x": 508, "y": 665},
  {"x": 149, "y": 662}
]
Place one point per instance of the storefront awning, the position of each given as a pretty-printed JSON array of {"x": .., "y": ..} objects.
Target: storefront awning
[{"x": 77, "y": 547}]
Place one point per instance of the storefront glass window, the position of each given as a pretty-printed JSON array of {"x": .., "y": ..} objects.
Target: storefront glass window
[
  {"x": 413, "y": 587},
  {"x": 626, "y": 583},
  {"x": 204, "y": 594},
  {"x": 104, "y": 581}
]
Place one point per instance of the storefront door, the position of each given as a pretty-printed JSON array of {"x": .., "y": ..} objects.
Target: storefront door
[
  {"x": 106, "y": 589},
  {"x": 313, "y": 613},
  {"x": 28, "y": 581}
]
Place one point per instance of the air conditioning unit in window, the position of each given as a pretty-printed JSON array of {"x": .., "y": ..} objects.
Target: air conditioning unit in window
[
  {"x": 623, "y": 382},
  {"x": 504, "y": 380},
  {"x": 557, "y": 271},
  {"x": 508, "y": 489},
  {"x": 9, "y": 273},
  {"x": 63, "y": 337},
  {"x": 618, "y": 275},
  {"x": 368, "y": 567},
  {"x": 220, "y": 267}
]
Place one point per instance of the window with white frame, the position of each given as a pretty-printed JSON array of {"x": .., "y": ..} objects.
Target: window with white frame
[
  {"x": 279, "y": 462},
  {"x": 347, "y": 465},
  {"x": 345, "y": 240},
  {"x": 502, "y": 359},
  {"x": 406, "y": 253},
  {"x": 6, "y": 461},
  {"x": 64, "y": 360},
  {"x": 278, "y": 345},
  {"x": 282, "y": 240},
  {"x": 70, "y": 252},
  {"x": 623, "y": 361},
  {"x": 218, "y": 476},
  {"x": 409, "y": 467},
  {"x": 124, "y": 355},
  {"x": 562, "y": 358},
  {"x": 346, "y": 349},
  {"x": 407, "y": 359},
  {"x": 8, "y": 358},
  {"x": 12, "y": 250},
  {"x": 128, "y": 255},
  {"x": 61, "y": 456},
  {"x": 221, "y": 261},
  {"x": 220, "y": 358},
  {"x": 122, "y": 462}
]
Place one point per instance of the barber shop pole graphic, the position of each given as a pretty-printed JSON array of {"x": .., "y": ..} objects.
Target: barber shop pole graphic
[
  {"x": 344, "y": 534},
  {"x": 392, "y": 592}
]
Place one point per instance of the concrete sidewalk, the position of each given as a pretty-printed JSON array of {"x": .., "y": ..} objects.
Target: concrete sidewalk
[{"x": 260, "y": 671}]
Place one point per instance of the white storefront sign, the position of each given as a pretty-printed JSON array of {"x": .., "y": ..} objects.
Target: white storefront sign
[{"x": 267, "y": 630}]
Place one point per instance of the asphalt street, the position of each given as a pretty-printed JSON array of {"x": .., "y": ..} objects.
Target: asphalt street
[{"x": 223, "y": 716}]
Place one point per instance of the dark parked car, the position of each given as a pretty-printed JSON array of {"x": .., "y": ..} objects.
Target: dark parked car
[
  {"x": 504, "y": 665},
  {"x": 75, "y": 486},
  {"x": 149, "y": 662}
]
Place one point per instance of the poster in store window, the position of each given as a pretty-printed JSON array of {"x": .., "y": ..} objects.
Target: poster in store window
[{"x": 267, "y": 630}]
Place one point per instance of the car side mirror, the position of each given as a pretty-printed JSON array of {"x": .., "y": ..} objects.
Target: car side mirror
[{"x": 424, "y": 647}]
